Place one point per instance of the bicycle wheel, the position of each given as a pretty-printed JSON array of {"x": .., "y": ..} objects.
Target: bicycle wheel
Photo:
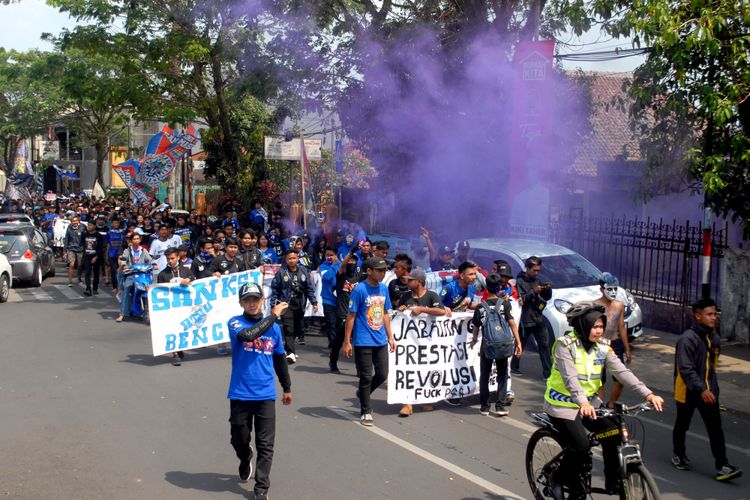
[
  {"x": 541, "y": 454},
  {"x": 639, "y": 484}
]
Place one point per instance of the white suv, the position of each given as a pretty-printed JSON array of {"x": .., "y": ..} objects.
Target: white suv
[
  {"x": 6, "y": 278},
  {"x": 573, "y": 277}
]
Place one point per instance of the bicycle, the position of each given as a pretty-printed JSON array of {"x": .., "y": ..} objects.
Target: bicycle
[{"x": 544, "y": 454}]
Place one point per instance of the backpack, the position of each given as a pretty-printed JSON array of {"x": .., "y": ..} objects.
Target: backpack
[{"x": 498, "y": 339}]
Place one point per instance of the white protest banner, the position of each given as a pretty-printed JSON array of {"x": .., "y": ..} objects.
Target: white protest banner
[
  {"x": 194, "y": 316},
  {"x": 433, "y": 360}
]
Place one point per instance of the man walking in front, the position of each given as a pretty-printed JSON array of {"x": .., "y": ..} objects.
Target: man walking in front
[
  {"x": 73, "y": 248},
  {"x": 697, "y": 387},
  {"x": 257, "y": 352},
  {"x": 93, "y": 254},
  {"x": 368, "y": 333}
]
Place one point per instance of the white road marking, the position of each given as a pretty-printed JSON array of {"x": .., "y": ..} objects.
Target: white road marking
[
  {"x": 482, "y": 483},
  {"x": 40, "y": 294},
  {"x": 68, "y": 292},
  {"x": 14, "y": 296}
]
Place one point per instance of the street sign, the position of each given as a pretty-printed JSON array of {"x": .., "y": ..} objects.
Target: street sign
[{"x": 276, "y": 148}]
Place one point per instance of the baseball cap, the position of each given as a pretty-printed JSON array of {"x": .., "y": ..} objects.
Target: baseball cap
[
  {"x": 504, "y": 270},
  {"x": 376, "y": 263},
  {"x": 417, "y": 274},
  {"x": 446, "y": 250},
  {"x": 183, "y": 248},
  {"x": 250, "y": 290},
  {"x": 463, "y": 245}
]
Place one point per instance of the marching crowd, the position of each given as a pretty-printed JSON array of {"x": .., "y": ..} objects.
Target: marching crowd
[{"x": 362, "y": 283}]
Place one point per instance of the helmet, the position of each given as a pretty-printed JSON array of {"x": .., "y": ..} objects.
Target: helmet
[
  {"x": 581, "y": 308},
  {"x": 608, "y": 279}
]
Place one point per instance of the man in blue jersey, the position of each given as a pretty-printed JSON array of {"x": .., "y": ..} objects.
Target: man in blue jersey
[
  {"x": 115, "y": 244},
  {"x": 368, "y": 333},
  {"x": 459, "y": 295},
  {"x": 328, "y": 271},
  {"x": 257, "y": 352}
]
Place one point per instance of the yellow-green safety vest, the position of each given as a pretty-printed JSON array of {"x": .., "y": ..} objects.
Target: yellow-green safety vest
[{"x": 588, "y": 365}]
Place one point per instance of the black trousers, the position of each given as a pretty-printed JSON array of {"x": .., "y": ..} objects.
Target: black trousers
[
  {"x": 711, "y": 419},
  {"x": 329, "y": 313},
  {"x": 369, "y": 360},
  {"x": 541, "y": 335},
  {"x": 338, "y": 341},
  {"x": 243, "y": 415},
  {"x": 576, "y": 459},
  {"x": 291, "y": 323},
  {"x": 89, "y": 267},
  {"x": 485, "y": 368}
]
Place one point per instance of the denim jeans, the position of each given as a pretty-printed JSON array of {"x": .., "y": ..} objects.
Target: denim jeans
[
  {"x": 368, "y": 359},
  {"x": 128, "y": 286},
  {"x": 262, "y": 414}
]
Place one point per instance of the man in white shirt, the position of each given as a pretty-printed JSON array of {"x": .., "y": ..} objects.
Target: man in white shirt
[{"x": 165, "y": 241}]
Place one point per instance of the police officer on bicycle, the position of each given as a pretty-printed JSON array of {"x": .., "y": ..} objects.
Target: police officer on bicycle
[{"x": 571, "y": 398}]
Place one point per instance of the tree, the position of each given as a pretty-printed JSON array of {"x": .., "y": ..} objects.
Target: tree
[
  {"x": 200, "y": 59},
  {"x": 690, "y": 100},
  {"x": 30, "y": 98}
]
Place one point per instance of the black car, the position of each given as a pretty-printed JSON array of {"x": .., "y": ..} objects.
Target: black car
[{"x": 28, "y": 252}]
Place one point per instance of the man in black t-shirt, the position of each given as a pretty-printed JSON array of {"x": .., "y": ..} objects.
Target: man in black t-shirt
[
  {"x": 398, "y": 286},
  {"x": 419, "y": 300},
  {"x": 346, "y": 279}
]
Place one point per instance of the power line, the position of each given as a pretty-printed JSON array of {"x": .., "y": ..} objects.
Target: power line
[{"x": 607, "y": 55}]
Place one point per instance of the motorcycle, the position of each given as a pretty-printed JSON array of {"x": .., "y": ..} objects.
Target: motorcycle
[{"x": 143, "y": 277}]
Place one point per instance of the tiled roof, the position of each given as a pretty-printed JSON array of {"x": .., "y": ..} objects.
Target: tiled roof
[{"x": 611, "y": 138}]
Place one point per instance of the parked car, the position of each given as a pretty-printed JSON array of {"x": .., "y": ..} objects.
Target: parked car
[
  {"x": 28, "y": 252},
  {"x": 573, "y": 277},
  {"x": 16, "y": 219},
  {"x": 6, "y": 278}
]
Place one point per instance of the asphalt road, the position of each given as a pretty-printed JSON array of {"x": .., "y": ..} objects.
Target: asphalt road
[{"x": 88, "y": 412}]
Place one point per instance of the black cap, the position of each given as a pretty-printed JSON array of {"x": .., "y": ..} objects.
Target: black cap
[
  {"x": 446, "y": 250},
  {"x": 376, "y": 263},
  {"x": 463, "y": 244},
  {"x": 183, "y": 248},
  {"x": 250, "y": 290},
  {"x": 504, "y": 270}
]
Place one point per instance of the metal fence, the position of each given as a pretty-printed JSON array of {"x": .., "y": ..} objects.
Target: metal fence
[{"x": 656, "y": 260}]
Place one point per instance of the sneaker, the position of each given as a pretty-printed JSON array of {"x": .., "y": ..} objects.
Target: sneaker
[
  {"x": 222, "y": 351},
  {"x": 727, "y": 473},
  {"x": 291, "y": 358},
  {"x": 454, "y": 401},
  {"x": 261, "y": 495},
  {"x": 70, "y": 285},
  {"x": 87, "y": 292},
  {"x": 500, "y": 411},
  {"x": 246, "y": 468},
  {"x": 510, "y": 396},
  {"x": 300, "y": 341},
  {"x": 406, "y": 410},
  {"x": 680, "y": 463},
  {"x": 484, "y": 410},
  {"x": 366, "y": 420},
  {"x": 176, "y": 361},
  {"x": 96, "y": 292},
  {"x": 333, "y": 368}
]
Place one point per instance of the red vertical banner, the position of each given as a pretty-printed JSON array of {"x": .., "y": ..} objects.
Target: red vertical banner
[{"x": 531, "y": 140}]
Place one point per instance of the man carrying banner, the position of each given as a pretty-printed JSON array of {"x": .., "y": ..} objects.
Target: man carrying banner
[
  {"x": 175, "y": 273},
  {"x": 257, "y": 352},
  {"x": 419, "y": 300},
  {"x": 368, "y": 333}
]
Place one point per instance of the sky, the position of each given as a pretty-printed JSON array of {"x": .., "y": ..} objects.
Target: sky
[{"x": 28, "y": 19}]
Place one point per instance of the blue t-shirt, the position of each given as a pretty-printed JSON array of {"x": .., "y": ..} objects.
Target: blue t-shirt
[
  {"x": 328, "y": 280},
  {"x": 253, "y": 375},
  {"x": 455, "y": 297},
  {"x": 269, "y": 256},
  {"x": 114, "y": 239},
  {"x": 371, "y": 304},
  {"x": 50, "y": 218}
]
